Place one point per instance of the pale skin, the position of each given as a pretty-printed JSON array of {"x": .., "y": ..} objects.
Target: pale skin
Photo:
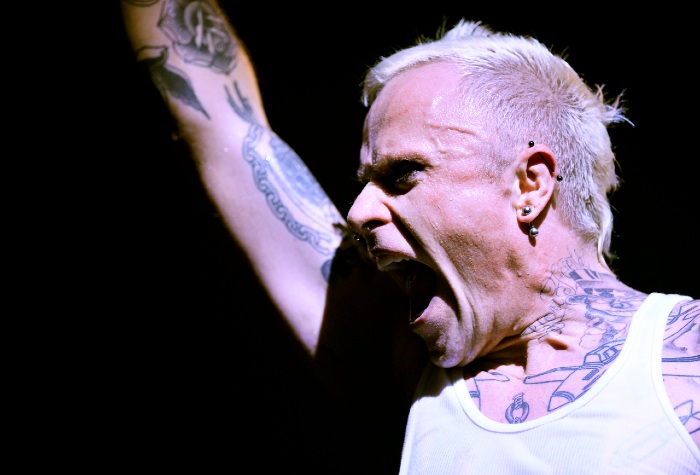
[
  {"x": 491, "y": 312},
  {"x": 505, "y": 307}
]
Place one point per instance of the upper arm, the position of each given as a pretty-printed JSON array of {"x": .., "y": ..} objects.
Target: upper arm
[
  {"x": 681, "y": 364},
  {"x": 273, "y": 206},
  {"x": 285, "y": 223}
]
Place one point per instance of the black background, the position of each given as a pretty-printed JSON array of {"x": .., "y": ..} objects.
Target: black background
[
  {"x": 194, "y": 366},
  {"x": 310, "y": 63}
]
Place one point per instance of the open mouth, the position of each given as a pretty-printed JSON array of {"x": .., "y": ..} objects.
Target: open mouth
[{"x": 419, "y": 285}]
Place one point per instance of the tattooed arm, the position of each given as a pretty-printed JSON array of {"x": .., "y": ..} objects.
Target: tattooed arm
[
  {"x": 681, "y": 364},
  {"x": 274, "y": 207},
  {"x": 343, "y": 310}
]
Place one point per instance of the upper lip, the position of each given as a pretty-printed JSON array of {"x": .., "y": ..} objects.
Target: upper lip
[
  {"x": 389, "y": 261},
  {"x": 415, "y": 277},
  {"x": 385, "y": 259}
]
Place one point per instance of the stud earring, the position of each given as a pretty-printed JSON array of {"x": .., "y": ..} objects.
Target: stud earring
[
  {"x": 526, "y": 210},
  {"x": 560, "y": 178}
]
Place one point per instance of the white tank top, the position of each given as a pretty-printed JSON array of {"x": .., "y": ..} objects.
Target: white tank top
[{"x": 624, "y": 424}]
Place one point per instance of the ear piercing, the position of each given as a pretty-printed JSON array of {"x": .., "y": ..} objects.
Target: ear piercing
[
  {"x": 533, "y": 230},
  {"x": 531, "y": 144}
]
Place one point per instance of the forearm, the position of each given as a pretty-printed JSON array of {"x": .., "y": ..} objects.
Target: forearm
[
  {"x": 267, "y": 197},
  {"x": 194, "y": 59}
]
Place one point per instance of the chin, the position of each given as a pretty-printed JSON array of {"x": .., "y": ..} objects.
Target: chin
[{"x": 443, "y": 358}]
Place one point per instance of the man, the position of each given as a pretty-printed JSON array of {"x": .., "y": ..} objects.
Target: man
[{"x": 486, "y": 166}]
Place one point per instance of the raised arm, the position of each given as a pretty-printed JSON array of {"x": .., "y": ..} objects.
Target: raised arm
[
  {"x": 273, "y": 206},
  {"x": 351, "y": 317}
]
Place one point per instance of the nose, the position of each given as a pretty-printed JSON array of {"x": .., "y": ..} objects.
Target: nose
[{"x": 369, "y": 210}]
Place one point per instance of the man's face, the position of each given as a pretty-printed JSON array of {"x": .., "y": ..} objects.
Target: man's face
[{"x": 430, "y": 216}]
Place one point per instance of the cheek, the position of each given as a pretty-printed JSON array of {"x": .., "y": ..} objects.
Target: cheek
[
  {"x": 457, "y": 218},
  {"x": 470, "y": 225},
  {"x": 466, "y": 209},
  {"x": 443, "y": 230}
]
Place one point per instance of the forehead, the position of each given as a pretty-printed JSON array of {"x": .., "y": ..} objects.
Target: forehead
[{"x": 419, "y": 111}]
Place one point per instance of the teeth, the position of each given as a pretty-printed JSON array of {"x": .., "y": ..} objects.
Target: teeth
[
  {"x": 385, "y": 263},
  {"x": 388, "y": 264}
]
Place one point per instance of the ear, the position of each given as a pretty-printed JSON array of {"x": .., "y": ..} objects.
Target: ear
[{"x": 535, "y": 180}]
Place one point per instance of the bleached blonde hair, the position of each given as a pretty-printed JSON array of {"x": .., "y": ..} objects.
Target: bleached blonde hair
[{"x": 527, "y": 92}]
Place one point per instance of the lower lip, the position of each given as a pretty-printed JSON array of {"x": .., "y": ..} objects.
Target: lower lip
[{"x": 421, "y": 317}]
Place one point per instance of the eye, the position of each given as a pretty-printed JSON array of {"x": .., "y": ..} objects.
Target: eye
[{"x": 401, "y": 176}]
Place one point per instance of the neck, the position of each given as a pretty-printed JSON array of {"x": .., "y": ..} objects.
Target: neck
[{"x": 578, "y": 308}]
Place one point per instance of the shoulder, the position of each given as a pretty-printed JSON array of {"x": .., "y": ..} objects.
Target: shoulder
[
  {"x": 680, "y": 363},
  {"x": 681, "y": 347},
  {"x": 683, "y": 328}
]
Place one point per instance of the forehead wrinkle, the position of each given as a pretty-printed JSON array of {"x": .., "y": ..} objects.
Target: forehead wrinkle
[
  {"x": 448, "y": 136},
  {"x": 445, "y": 125},
  {"x": 410, "y": 120},
  {"x": 443, "y": 136},
  {"x": 446, "y": 140}
]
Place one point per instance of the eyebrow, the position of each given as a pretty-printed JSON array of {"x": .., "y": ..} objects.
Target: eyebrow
[
  {"x": 378, "y": 167},
  {"x": 365, "y": 173},
  {"x": 383, "y": 166}
]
